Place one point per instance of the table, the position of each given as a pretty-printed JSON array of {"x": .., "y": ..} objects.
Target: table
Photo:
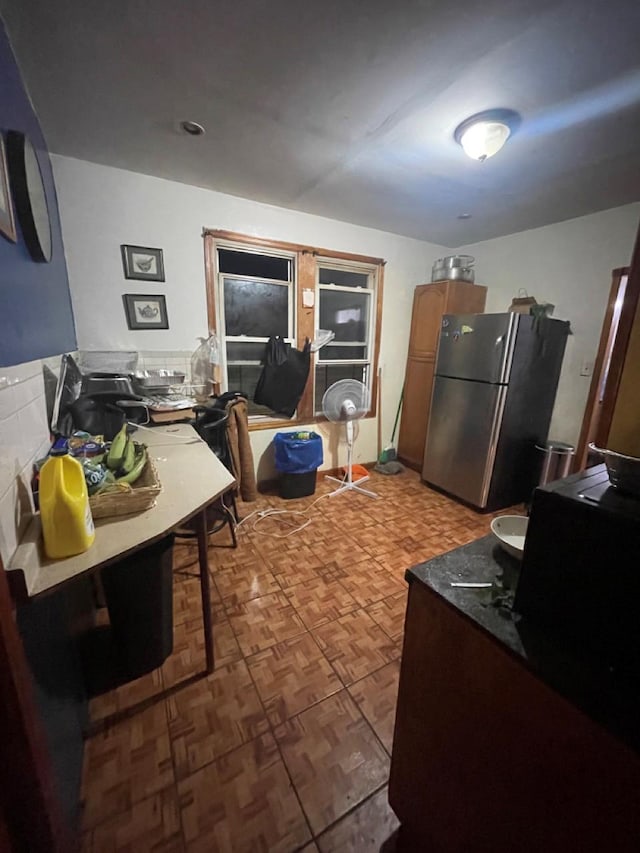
[{"x": 192, "y": 477}]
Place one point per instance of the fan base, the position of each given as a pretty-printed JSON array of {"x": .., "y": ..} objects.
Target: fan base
[{"x": 346, "y": 486}]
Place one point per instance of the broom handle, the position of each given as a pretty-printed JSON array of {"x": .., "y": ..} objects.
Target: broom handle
[{"x": 395, "y": 425}]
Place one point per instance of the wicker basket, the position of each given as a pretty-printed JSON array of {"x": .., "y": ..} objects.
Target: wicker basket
[{"x": 123, "y": 499}]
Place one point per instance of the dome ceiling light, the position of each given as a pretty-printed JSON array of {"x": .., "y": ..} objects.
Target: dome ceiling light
[{"x": 483, "y": 135}]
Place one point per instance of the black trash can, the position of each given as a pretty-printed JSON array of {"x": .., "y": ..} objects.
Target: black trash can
[
  {"x": 298, "y": 457},
  {"x": 139, "y": 595}
]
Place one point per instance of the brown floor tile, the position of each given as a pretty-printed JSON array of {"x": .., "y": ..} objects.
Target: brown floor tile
[
  {"x": 319, "y": 601},
  {"x": 188, "y": 656},
  {"x": 244, "y": 582},
  {"x": 368, "y": 583},
  {"x": 367, "y": 828},
  {"x": 376, "y": 696},
  {"x": 295, "y": 567},
  {"x": 263, "y": 622},
  {"x": 355, "y": 646},
  {"x": 376, "y": 540},
  {"x": 270, "y": 537},
  {"x": 246, "y": 552},
  {"x": 126, "y": 696},
  {"x": 187, "y": 600},
  {"x": 150, "y": 825},
  {"x": 333, "y": 757},
  {"x": 128, "y": 762},
  {"x": 214, "y": 716},
  {"x": 398, "y": 562},
  {"x": 243, "y": 802},
  {"x": 291, "y": 676},
  {"x": 340, "y": 549},
  {"x": 330, "y": 572},
  {"x": 389, "y": 614}
]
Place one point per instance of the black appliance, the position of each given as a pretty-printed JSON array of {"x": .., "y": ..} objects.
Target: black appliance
[
  {"x": 493, "y": 395},
  {"x": 580, "y": 574}
]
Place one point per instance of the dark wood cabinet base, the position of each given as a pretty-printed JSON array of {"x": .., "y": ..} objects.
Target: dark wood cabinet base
[{"x": 487, "y": 757}]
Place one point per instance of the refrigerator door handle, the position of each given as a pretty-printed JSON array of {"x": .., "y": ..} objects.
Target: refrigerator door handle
[{"x": 493, "y": 444}]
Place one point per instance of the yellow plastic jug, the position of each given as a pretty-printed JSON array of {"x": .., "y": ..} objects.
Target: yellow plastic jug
[{"x": 67, "y": 523}]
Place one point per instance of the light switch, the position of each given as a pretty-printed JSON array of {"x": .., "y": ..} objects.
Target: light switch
[{"x": 586, "y": 368}]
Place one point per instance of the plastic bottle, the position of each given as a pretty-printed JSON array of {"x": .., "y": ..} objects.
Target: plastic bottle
[{"x": 67, "y": 523}]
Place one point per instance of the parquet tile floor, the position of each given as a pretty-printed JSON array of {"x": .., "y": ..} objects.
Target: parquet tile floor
[{"x": 286, "y": 747}]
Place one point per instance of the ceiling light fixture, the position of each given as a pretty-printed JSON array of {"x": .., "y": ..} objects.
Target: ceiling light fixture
[
  {"x": 192, "y": 128},
  {"x": 483, "y": 135}
]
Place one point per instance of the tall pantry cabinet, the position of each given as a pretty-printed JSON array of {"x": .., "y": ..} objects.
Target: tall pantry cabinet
[{"x": 430, "y": 303}]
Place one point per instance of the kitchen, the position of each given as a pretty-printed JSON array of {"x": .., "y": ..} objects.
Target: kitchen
[{"x": 105, "y": 206}]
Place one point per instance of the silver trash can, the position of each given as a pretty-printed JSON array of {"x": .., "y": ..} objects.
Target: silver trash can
[{"x": 556, "y": 461}]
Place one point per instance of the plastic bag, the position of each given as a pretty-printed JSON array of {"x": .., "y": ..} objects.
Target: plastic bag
[
  {"x": 204, "y": 362},
  {"x": 284, "y": 376},
  {"x": 298, "y": 453}
]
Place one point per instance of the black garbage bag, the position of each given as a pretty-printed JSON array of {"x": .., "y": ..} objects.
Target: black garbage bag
[{"x": 284, "y": 375}]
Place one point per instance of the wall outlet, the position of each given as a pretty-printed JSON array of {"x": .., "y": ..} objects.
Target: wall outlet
[{"x": 586, "y": 367}]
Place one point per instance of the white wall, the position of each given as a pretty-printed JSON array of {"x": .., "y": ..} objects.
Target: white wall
[
  {"x": 568, "y": 264},
  {"x": 102, "y": 207}
]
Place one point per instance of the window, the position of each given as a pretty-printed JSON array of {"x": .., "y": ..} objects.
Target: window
[
  {"x": 255, "y": 300},
  {"x": 257, "y": 288},
  {"x": 346, "y": 306}
]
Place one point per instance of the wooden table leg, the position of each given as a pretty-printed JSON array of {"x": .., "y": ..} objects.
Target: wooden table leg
[{"x": 205, "y": 588}]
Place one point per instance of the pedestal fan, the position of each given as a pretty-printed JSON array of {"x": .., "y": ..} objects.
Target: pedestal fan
[{"x": 347, "y": 401}]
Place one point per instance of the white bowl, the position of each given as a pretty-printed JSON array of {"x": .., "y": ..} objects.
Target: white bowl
[{"x": 511, "y": 531}]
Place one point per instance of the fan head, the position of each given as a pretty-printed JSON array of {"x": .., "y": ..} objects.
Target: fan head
[{"x": 346, "y": 400}]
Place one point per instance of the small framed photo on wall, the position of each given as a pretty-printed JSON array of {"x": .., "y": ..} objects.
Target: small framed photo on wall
[
  {"x": 142, "y": 263},
  {"x": 7, "y": 222},
  {"x": 145, "y": 312}
]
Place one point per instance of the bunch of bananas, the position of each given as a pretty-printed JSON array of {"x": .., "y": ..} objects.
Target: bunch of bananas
[{"x": 126, "y": 458}]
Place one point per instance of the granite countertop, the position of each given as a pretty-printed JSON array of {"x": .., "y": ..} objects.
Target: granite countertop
[{"x": 592, "y": 684}]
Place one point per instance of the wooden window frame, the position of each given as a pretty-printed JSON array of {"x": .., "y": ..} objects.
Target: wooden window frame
[
  {"x": 371, "y": 271},
  {"x": 306, "y": 279}
]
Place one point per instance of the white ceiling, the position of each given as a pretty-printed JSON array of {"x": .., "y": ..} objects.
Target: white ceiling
[{"x": 346, "y": 108}]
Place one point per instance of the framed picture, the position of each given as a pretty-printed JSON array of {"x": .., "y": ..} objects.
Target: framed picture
[
  {"x": 145, "y": 312},
  {"x": 7, "y": 222},
  {"x": 141, "y": 263}
]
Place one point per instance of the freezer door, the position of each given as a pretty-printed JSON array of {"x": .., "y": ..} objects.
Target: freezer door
[
  {"x": 477, "y": 346},
  {"x": 464, "y": 426}
]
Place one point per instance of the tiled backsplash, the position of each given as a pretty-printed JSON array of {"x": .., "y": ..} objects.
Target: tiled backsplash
[{"x": 24, "y": 437}]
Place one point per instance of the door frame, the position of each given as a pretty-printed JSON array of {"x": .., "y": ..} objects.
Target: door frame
[
  {"x": 593, "y": 409},
  {"x": 618, "y": 356}
]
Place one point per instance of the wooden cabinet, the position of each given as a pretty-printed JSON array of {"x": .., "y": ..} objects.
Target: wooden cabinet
[
  {"x": 487, "y": 757},
  {"x": 430, "y": 302}
]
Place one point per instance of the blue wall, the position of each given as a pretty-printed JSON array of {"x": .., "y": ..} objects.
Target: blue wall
[{"x": 36, "y": 319}]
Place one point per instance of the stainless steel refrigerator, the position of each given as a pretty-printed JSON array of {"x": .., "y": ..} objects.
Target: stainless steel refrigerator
[{"x": 493, "y": 395}]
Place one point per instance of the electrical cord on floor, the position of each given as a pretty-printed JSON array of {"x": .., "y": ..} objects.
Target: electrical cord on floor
[{"x": 272, "y": 512}]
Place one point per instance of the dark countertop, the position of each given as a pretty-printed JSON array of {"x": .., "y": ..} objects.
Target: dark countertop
[{"x": 591, "y": 684}]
